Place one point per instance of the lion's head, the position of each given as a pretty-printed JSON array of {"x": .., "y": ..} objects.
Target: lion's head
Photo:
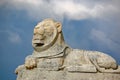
[{"x": 45, "y": 34}]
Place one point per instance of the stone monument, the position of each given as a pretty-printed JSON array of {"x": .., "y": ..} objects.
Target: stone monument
[{"x": 53, "y": 59}]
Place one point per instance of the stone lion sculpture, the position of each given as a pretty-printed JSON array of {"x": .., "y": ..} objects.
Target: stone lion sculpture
[{"x": 52, "y": 53}]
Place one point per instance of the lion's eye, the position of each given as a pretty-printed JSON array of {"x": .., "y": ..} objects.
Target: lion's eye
[
  {"x": 41, "y": 30},
  {"x": 48, "y": 30},
  {"x": 47, "y": 25}
]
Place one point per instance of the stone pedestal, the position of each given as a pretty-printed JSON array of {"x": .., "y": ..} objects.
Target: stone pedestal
[{"x": 37, "y": 74}]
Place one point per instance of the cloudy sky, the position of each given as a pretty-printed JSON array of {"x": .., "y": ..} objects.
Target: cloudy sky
[{"x": 87, "y": 24}]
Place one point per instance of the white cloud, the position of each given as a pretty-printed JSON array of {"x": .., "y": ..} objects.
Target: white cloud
[
  {"x": 71, "y": 9},
  {"x": 11, "y": 36},
  {"x": 74, "y": 10},
  {"x": 14, "y": 37},
  {"x": 103, "y": 38}
]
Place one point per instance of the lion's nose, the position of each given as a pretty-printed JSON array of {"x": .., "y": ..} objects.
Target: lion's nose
[
  {"x": 38, "y": 40},
  {"x": 38, "y": 37},
  {"x": 38, "y": 33}
]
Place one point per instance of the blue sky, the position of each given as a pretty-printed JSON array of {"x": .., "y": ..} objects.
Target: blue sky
[{"x": 87, "y": 24}]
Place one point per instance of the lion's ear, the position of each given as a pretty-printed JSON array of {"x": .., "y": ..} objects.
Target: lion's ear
[{"x": 59, "y": 26}]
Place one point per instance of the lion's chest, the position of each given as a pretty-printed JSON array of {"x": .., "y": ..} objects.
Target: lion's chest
[{"x": 50, "y": 64}]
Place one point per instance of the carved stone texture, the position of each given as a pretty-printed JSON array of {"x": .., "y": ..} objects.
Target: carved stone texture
[
  {"x": 53, "y": 57},
  {"x": 37, "y": 74}
]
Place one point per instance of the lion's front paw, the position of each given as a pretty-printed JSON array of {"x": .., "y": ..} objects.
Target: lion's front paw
[
  {"x": 30, "y": 63},
  {"x": 19, "y": 68}
]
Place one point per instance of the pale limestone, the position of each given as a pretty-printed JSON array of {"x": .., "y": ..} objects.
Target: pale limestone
[
  {"x": 37, "y": 74},
  {"x": 51, "y": 54}
]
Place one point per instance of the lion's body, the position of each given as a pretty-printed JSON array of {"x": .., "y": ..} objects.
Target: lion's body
[
  {"x": 93, "y": 59},
  {"x": 50, "y": 51}
]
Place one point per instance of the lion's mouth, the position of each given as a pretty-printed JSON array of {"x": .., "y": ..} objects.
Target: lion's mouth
[{"x": 39, "y": 44}]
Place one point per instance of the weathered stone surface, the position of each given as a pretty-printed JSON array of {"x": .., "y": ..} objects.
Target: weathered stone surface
[
  {"x": 37, "y": 74},
  {"x": 53, "y": 59}
]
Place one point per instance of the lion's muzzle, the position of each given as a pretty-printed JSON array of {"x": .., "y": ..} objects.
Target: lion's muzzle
[{"x": 38, "y": 40}]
